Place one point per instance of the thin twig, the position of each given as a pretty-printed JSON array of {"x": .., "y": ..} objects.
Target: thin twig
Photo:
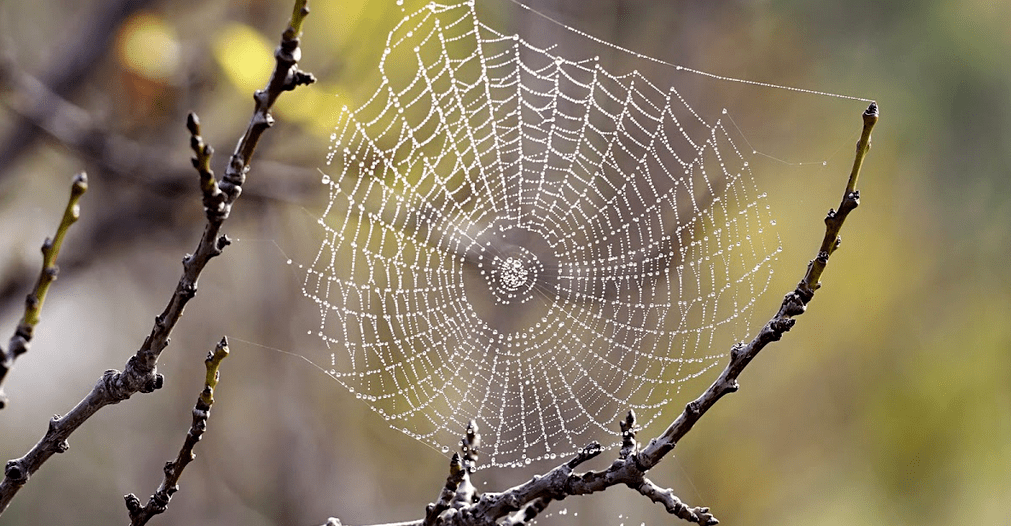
[
  {"x": 21, "y": 341},
  {"x": 159, "y": 501},
  {"x": 140, "y": 373}
]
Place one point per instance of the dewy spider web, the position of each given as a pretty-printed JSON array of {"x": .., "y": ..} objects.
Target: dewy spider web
[{"x": 530, "y": 242}]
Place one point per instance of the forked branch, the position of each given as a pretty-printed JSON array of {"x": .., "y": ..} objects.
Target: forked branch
[
  {"x": 521, "y": 503},
  {"x": 159, "y": 501},
  {"x": 140, "y": 373}
]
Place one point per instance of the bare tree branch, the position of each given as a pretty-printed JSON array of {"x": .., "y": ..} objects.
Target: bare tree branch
[
  {"x": 140, "y": 373},
  {"x": 521, "y": 503},
  {"x": 66, "y": 75},
  {"x": 151, "y": 168},
  {"x": 159, "y": 501},
  {"x": 22, "y": 338}
]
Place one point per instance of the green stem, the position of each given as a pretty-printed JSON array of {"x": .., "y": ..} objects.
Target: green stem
[
  {"x": 19, "y": 343},
  {"x": 51, "y": 250}
]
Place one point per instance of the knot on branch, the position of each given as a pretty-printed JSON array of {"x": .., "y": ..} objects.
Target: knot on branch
[
  {"x": 20, "y": 343},
  {"x": 850, "y": 201},
  {"x": 511, "y": 502},
  {"x": 112, "y": 384},
  {"x": 235, "y": 175},
  {"x": 288, "y": 53},
  {"x": 132, "y": 503},
  {"x": 737, "y": 351},
  {"x": 160, "y": 499},
  {"x": 54, "y": 427},
  {"x": 223, "y": 241},
  {"x": 137, "y": 378},
  {"x": 795, "y": 303},
  {"x": 15, "y": 471},
  {"x": 780, "y": 326},
  {"x": 152, "y": 383},
  {"x": 187, "y": 290}
]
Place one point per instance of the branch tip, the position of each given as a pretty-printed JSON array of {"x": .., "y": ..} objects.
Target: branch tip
[
  {"x": 24, "y": 331},
  {"x": 872, "y": 110},
  {"x": 193, "y": 123}
]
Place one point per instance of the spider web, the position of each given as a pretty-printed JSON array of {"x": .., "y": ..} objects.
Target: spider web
[{"x": 530, "y": 242}]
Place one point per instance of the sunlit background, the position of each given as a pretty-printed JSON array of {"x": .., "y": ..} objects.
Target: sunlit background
[{"x": 888, "y": 403}]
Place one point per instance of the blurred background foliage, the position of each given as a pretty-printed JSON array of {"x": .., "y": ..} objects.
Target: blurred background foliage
[{"x": 888, "y": 403}]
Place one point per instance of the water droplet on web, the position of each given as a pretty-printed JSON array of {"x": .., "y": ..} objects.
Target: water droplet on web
[{"x": 460, "y": 274}]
